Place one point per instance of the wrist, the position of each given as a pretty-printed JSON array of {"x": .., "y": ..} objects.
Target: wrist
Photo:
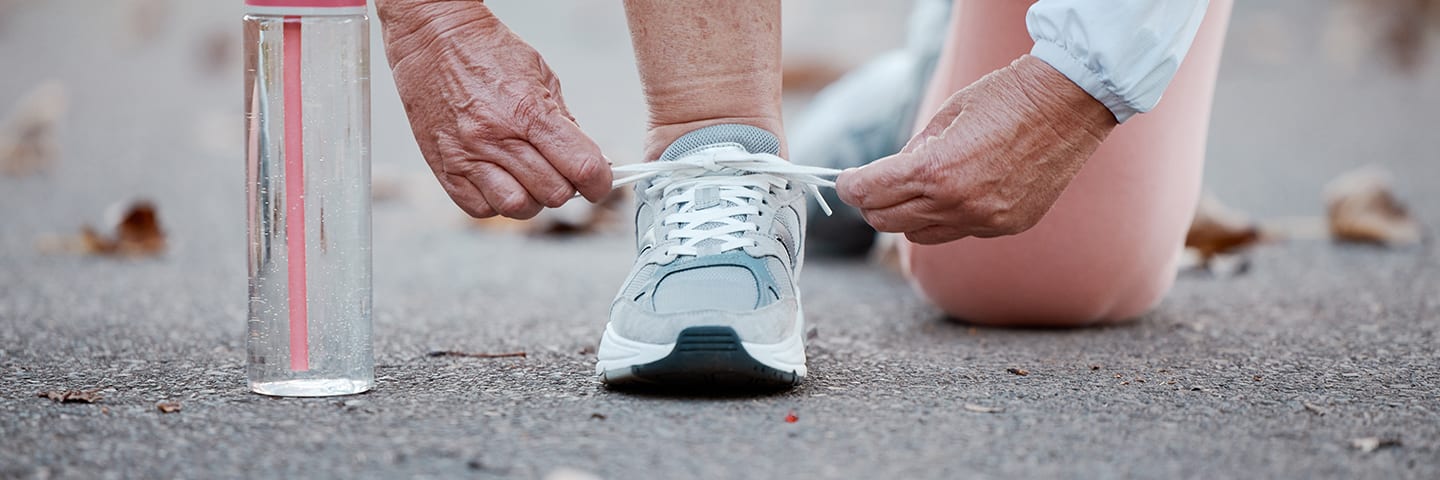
[
  {"x": 408, "y": 16},
  {"x": 1056, "y": 95}
]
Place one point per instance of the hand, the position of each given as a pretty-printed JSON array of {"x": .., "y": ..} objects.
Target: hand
[
  {"x": 487, "y": 111},
  {"x": 992, "y": 162}
]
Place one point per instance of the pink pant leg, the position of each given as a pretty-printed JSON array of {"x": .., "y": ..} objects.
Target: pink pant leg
[{"x": 1108, "y": 248}]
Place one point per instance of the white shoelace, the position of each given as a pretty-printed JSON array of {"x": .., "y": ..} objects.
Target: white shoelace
[{"x": 741, "y": 181}]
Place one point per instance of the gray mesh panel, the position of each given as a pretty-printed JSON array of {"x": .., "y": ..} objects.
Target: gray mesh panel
[
  {"x": 718, "y": 287},
  {"x": 753, "y": 139}
]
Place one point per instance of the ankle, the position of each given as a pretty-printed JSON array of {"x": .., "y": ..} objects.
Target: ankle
[{"x": 661, "y": 136}]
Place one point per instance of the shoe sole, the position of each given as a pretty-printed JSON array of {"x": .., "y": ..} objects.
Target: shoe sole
[{"x": 703, "y": 356}]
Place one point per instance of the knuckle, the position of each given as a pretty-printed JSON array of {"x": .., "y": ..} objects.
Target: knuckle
[
  {"x": 532, "y": 109},
  {"x": 558, "y": 197},
  {"x": 591, "y": 170},
  {"x": 477, "y": 211},
  {"x": 513, "y": 203},
  {"x": 880, "y": 222},
  {"x": 997, "y": 222}
]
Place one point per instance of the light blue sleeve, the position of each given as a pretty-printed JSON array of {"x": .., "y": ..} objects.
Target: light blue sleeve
[{"x": 1123, "y": 52}]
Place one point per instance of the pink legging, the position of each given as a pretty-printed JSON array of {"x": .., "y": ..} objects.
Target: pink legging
[{"x": 1108, "y": 249}]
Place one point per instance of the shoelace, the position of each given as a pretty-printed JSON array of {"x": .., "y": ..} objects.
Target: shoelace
[{"x": 741, "y": 181}]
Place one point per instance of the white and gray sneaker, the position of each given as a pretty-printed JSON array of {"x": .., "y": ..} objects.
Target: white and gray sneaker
[{"x": 712, "y": 298}]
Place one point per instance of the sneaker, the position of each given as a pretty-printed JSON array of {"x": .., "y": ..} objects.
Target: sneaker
[{"x": 712, "y": 298}]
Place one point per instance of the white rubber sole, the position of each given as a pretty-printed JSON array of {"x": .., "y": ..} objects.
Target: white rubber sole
[{"x": 620, "y": 358}]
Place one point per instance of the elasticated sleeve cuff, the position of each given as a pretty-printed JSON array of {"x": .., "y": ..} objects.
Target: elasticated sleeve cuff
[{"x": 1122, "y": 52}]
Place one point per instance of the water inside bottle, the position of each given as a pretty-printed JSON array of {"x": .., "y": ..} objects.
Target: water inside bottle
[{"x": 309, "y": 215}]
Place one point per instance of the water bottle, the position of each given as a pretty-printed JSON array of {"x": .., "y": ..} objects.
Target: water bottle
[{"x": 307, "y": 117}]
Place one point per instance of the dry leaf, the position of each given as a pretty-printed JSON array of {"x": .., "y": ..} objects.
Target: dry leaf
[
  {"x": 218, "y": 51},
  {"x": 1361, "y": 208},
  {"x": 578, "y": 217},
  {"x": 168, "y": 407},
  {"x": 1370, "y": 444},
  {"x": 386, "y": 189},
  {"x": 456, "y": 353},
  {"x": 983, "y": 409},
  {"x": 138, "y": 234},
  {"x": 809, "y": 75},
  {"x": 1216, "y": 229},
  {"x": 27, "y": 138},
  {"x": 72, "y": 396},
  {"x": 147, "y": 19},
  {"x": 1404, "y": 27},
  {"x": 1018, "y": 371}
]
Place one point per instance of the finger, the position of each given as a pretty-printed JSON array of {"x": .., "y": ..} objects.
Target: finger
[
  {"x": 503, "y": 192},
  {"x": 916, "y": 214},
  {"x": 466, "y": 196},
  {"x": 936, "y": 235},
  {"x": 882, "y": 183},
  {"x": 539, "y": 178},
  {"x": 573, "y": 154}
]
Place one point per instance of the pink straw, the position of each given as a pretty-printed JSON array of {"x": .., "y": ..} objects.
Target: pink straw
[{"x": 295, "y": 197}]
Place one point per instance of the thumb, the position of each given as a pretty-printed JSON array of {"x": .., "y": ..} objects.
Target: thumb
[{"x": 882, "y": 183}]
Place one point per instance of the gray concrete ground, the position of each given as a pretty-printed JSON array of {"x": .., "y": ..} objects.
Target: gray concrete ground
[{"x": 1215, "y": 383}]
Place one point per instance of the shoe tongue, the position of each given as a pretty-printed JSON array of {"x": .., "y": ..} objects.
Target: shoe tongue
[{"x": 751, "y": 139}]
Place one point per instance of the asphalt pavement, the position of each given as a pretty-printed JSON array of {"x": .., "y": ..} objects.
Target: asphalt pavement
[{"x": 1293, "y": 368}]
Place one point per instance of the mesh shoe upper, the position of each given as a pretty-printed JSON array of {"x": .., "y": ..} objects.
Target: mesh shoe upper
[{"x": 718, "y": 248}]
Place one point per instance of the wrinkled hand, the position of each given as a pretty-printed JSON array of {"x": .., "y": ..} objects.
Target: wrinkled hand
[
  {"x": 992, "y": 162},
  {"x": 487, "y": 111}
]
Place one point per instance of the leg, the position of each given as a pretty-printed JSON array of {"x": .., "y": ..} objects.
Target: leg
[
  {"x": 711, "y": 301},
  {"x": 706, "y": 63},
  {"x": 1108, "y": 248}
]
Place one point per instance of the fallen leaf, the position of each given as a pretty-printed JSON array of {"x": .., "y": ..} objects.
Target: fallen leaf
[
  {"x": 1370, "y": 444},
  {"x": 137, "y": 234},
  {"x": 1362, "y": 208},
  {"x": 168, "y": 407},
  {"x": 1018, "y": 371},
  {"x": 983, "y": 409},
  {"x": 218, "y": 50},
  {"x": 791, "y": 417},
  {"x": 577, "y": 217},
  {"x": 72, "y": 396},
  {"x": 598, "y": 416},
  {"x": 1217, "y": 229},
  {"x": 1404, "y": 27},
  {"x": 28, "y": 143},
  {"x": 454, "y": 353},
  {"x": 386, "y": 189},
  {"x": 147, "y": 19}
]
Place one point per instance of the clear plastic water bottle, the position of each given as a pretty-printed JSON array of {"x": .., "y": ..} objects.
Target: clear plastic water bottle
[{"x": 307, "y": 94}]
